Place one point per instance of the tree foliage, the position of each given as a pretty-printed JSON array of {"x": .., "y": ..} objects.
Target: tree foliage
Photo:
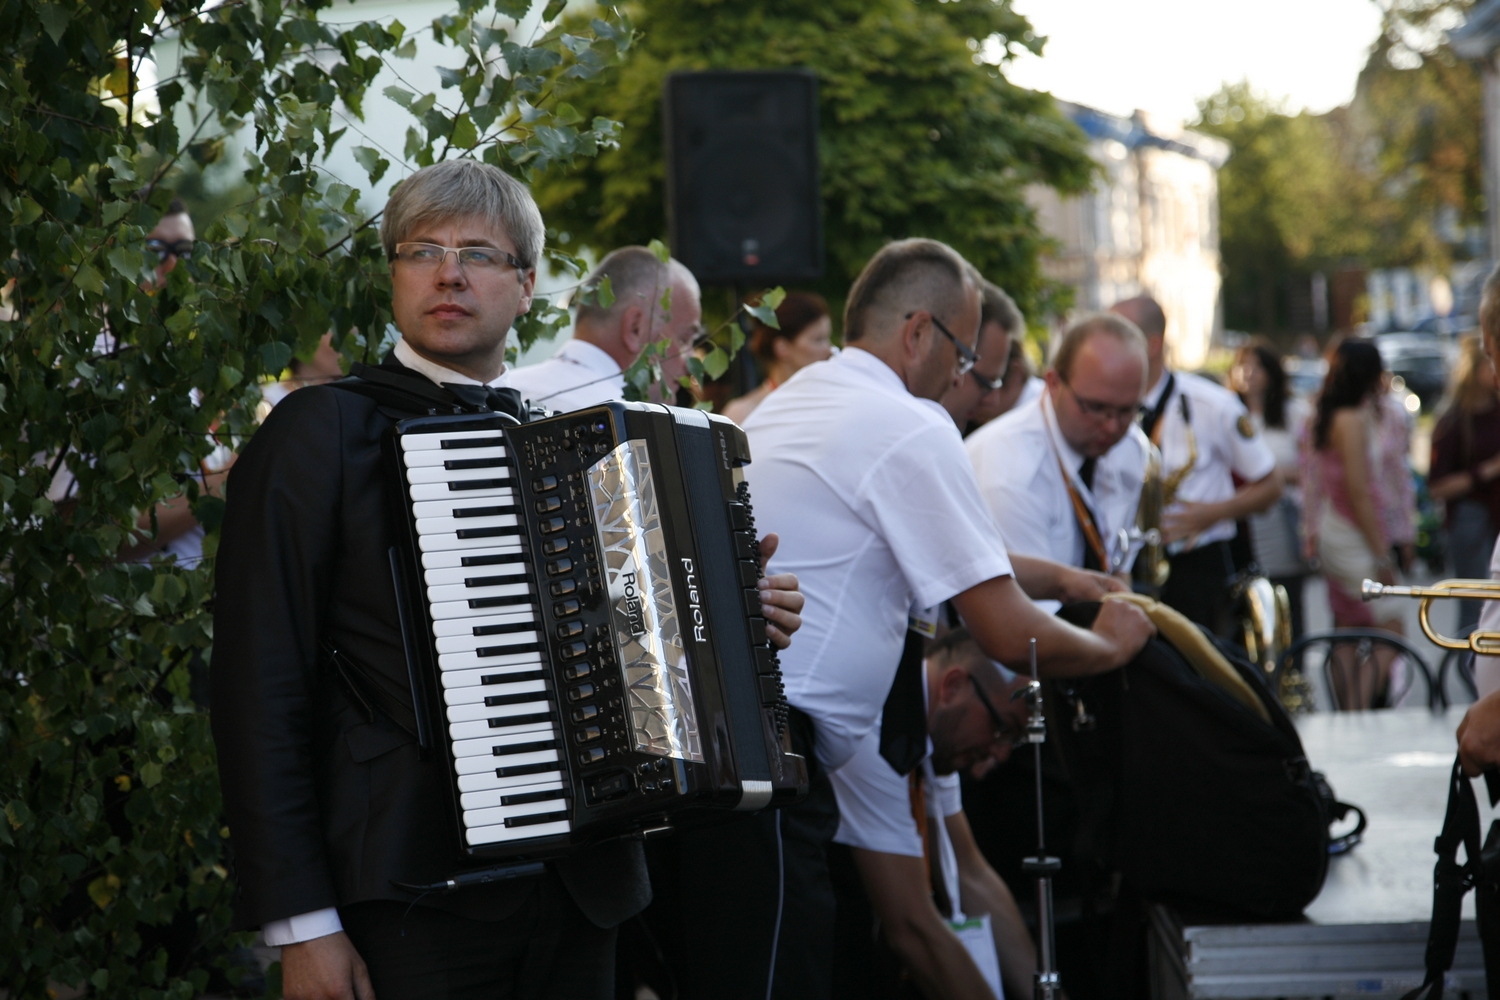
[
  {"x": 1394, "y": 179},
  {"x": 113, "y": 860},
  {"x": 918, "y": 135}
]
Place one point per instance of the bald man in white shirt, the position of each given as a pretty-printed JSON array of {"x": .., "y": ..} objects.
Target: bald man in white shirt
[
  {"x": 1062, "y": 475},
  {"x": 608, "y": 338}
]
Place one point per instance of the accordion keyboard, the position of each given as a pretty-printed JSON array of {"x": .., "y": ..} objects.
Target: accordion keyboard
[{"x": 481, "y": 594}]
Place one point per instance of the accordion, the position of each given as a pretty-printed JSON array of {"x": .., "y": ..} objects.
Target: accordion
[{"x": 578, "y": 600}]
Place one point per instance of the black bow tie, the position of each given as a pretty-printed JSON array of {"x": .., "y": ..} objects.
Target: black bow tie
[{"x": 487, "y": 397}]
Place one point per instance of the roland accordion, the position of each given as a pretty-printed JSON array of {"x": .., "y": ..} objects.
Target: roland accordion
[{"x": 582, "y": 624}]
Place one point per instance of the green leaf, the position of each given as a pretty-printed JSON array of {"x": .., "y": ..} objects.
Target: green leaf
[
  {"x": 605, "y": 292},
  {"x": 128, "y": 264},
  {"x": 716, "y": 362},
  {"x": 659, "y": 248},
  {"x": 151, "y": 774},
  {"x": 375, "y": 165},
  {"x": 275, "y": 356},
  {"x": 17, "y": 812},
  {"x": 400, "y": 95},
  {"x": 230, "y": 377},
  {"x": 89, "y": 279},
  {"x": 54, "y": 20},
  {"x": 554, "y": 8},
  {"x": 27, "y": 211},
  {"x": 465, "y": 135}
]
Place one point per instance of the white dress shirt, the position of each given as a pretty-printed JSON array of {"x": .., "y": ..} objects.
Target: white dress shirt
[
  {"x": 1016, "y": 460},
  {"x": 579, "y": 375},
  {"x": 875, "y": 810},
  {"x": 877, "y": 509},
  {"x": 1224, "y": 448},
  {"x": 321, "y": 923}
]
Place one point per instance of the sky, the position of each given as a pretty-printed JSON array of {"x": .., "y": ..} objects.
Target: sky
[{"x": 1163, "y": 55}]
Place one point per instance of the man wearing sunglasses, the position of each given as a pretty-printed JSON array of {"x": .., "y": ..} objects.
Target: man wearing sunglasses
[
  {"x": 1207, "y": 443},
  {"x": 622, "y": 312},
  {"x": 1062, "y": 475},
  {"x": 904, "y": 852}
]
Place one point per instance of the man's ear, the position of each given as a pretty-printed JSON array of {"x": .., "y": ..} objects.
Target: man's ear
[
  {"x": 635, "y": 330},
  {"x": 528, "y": 288},
  {"x": 1052, "y": 379},
  {"x": 912, "y": 341},
  {"x": 951, "y": 684}
]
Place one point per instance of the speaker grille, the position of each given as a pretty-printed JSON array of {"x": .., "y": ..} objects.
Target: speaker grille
[{"x": 743, "y": 200}]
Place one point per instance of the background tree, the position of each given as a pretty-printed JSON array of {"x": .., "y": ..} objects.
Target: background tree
[
  {"x": 113, "y": 860},
  {"x": 1394, "y": 179},
  {"x": 918, "y": 136}
]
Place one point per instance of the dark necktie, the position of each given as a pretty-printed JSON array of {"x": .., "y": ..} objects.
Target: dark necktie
[
  {"x": 1086, "y": 472},
  {"x": 903, "y": 721}
]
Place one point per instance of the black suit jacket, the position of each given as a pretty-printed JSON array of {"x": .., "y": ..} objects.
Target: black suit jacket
[{"x": 326, "y": 805}]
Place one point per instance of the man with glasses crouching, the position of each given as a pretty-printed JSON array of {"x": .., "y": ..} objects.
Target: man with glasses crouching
[{"x": 913, "y": 887}]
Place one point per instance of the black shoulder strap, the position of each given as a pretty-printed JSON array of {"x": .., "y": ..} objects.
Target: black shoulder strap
[
  {"x": 1149, "y": 420},
  {"x": 1450, "y": 883},
  {"x": 399, "y": 395}
]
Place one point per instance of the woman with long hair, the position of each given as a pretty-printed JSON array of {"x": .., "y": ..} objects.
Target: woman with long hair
[
  {"x": 804, "y": 337},
  {"x": 1465, "y": 469},
  {"x": 1275, "y": 534},
  {"x": 1346, "y": 529}
]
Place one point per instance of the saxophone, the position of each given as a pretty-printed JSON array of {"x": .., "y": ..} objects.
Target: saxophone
[{"x": 1158, "y": 492}]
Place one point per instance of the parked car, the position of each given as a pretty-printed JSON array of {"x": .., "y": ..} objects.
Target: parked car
[
  {"x": 1305, "y": 375},
  {"x": 1420, "y": 359}
]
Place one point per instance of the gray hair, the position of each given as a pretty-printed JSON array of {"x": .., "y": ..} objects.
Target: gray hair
[
  {"x": 997, "y": 307},
  {"x": 461, "y": 189},
  {"x": 1081, "y": 329},
  {"x": 636, "y": 278},
  {"x": 905, "y": 276}
]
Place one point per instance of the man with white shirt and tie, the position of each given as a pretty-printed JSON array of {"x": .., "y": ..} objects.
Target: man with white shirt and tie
[
  {"x": 608, "y": 338},
  {"x": 333, "y": 806},
  {"x": 1207, "y": 441},
  {"x": 1062, "y": 475}
]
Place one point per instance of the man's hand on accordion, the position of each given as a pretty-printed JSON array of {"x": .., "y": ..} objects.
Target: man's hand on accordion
[{"x": 780, "y": 600}]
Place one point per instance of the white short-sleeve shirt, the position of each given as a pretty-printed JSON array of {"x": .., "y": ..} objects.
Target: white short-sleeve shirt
[
  {"x": 1020, "y": 459},
  {"x": 1228, "y": 444},
  {"x": 875, "y": 811},
  {"x": 877, "y": 509},
  {"x": 579, "y": 375}
]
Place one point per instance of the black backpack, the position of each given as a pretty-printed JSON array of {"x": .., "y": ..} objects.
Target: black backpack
[{"x": 1189, "y": 795}]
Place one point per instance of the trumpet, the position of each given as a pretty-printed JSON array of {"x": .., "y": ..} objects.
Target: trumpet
[{"x": 1482, "y": 643}]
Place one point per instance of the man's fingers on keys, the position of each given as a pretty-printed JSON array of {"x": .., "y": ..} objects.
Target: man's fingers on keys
[
  {"x": 778, "y": 638},
  {"x": 769, "y": 543},
  {"x": 781, "y": 590}
]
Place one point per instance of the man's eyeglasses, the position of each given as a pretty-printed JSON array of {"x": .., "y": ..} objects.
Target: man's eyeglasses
[
  {"x": 989, "y": 385},
  {"x": 966, "y": 355},
  {"x": 430, "y": 256},
  {"x": 1095, "y": 410},
  {"x": 1004, "y": 731},
  {"x": 170, "y": 248}
]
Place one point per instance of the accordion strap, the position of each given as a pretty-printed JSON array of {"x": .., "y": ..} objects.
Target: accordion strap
[{"x": 1451, "y": 881}]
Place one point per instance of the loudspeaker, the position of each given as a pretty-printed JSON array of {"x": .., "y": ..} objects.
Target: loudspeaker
[{"x": 743, "y": 203}]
